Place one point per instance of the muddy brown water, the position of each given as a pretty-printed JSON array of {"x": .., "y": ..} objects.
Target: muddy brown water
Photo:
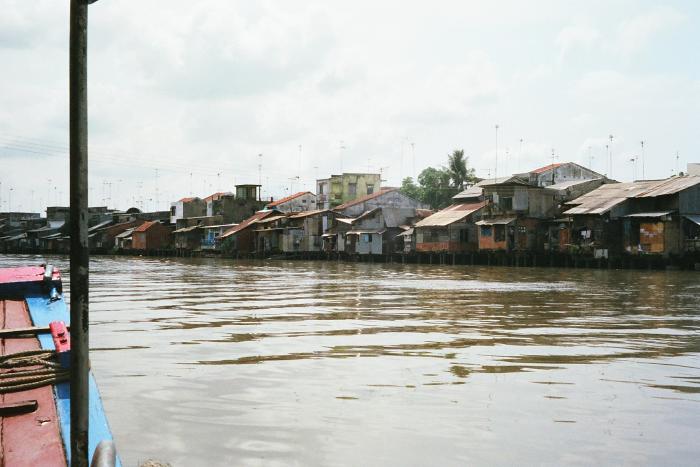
[{"x": 216, "y": 362}]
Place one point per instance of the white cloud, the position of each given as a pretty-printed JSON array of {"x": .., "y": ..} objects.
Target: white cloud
[
  {"x": 635, "y": 33},
  {"x": 575, "y": 37}
]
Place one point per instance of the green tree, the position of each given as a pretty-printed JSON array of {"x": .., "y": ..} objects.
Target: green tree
[
  {"x": 410, "y": 189},
  {"x": 435, "y": 187}
]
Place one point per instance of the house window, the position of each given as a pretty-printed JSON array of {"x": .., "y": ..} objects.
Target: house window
[
  {"x": 352, "y": 189},
  {"x": 321, "y": 188},
  {"x": 506, "y": 203},
  {"x": 486, "y": 231},
  {"x": 370, "y": 189},
  {"x": 172, "y": 210},
  {"x": 367, "y": 238},
  {"x": 500, "y": 233},
  {"x": 464, "y": 236}
]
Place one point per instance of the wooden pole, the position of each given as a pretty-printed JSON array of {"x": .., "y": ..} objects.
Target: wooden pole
[{"x": 79, "y": 254}]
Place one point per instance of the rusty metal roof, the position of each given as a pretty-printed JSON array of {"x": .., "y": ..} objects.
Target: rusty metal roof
[
  {"x": 308, "y": 213},
  {"x": 145, "y": 226},
  {"x": 671, "y": 186},
  {"x": 546, "y": 168},
  {"x": 451, "y": 214},
  {"x": 288, "y": 198},
  {"x": 258, "y": 215},
  {"x": 606, "y": 197}
]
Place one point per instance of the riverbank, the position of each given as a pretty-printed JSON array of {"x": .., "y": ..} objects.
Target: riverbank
[{"x": 481, "y": 258}]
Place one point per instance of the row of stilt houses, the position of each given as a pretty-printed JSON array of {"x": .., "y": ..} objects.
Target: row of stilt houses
[{"x": 558, "y": 210}]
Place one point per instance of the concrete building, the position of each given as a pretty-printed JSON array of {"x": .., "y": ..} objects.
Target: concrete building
[
  {"x": 187, "y": 207},
  {"x": 385, "y": 198},
  {"x": 338, "y": 189},
  {"x": 298, "y": 202}
]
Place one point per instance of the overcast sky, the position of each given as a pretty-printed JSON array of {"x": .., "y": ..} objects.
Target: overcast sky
[{"x": 202, "y": 87}]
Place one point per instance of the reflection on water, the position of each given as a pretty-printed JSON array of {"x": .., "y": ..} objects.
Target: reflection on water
[{"x": 213, "y": 362}]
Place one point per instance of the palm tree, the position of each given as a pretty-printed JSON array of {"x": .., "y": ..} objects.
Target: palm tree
[{"x": 457, "y": 166}]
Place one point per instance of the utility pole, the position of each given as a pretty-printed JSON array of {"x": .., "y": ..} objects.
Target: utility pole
[
  {"x": 643, "y": 175},
  {"x": 79, "y": 252},
  {"x": 259, "y": 169}
]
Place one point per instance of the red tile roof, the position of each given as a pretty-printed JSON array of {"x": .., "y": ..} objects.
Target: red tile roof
[
  {"x": 145, "y": 226},
  {"x": 186, "y": 200},
  {"x": 365, "y": 198},
  {"x": 214, "y": 196},
  {"x": 288, "y": 198},
  {"x": 546, "y": 168}
]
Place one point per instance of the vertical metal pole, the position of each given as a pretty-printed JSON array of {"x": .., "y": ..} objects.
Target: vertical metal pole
[{"x": 79, "y": 254}]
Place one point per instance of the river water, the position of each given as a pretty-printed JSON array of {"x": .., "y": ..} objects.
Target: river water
[{"x": 216, "y": 362}]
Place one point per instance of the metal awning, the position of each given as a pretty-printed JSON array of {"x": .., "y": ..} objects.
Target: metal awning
[
  {"x": 366, "y": 231},
  {"x": 505, "y": 221},
  {"x": 650, "y": 214},
  {"x": 406, "y": 233},
  {"x": 693, "y": 218},
  {"x": 186, "y": 229}
]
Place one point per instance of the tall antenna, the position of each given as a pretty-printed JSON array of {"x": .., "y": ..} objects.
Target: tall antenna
[
  {"x": 413, "y": 157},
  {"x": 643, "y": 175},
  {"x": 677, "y": 158},
  {"x": 505, "y": 161},
  {"x": 495, "y": 172},
  {"x": 259, "y": 169},
  {"x": 520, "y": 156},
  {"x": 610, "y": 156},
  {"x": 190, "y": 183},
  {"x": 299, "y": 168},
  {"x": 341, "y": 146},
  {"x": 590, "y": 158}
]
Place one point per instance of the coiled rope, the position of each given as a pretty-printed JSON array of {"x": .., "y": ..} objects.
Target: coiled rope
[{"x": 29, "y": 370}]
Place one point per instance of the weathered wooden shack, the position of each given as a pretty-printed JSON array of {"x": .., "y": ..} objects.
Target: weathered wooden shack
[
  {"x": 151, "y": 235},
  {"x": 452, "y": 229}
]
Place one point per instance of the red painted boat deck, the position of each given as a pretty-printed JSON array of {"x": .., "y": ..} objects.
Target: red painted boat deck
[{"x": 31, "y": 439}]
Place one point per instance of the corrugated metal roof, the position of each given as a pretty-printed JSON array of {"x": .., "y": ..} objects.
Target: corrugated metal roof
[
  {"x": 186, "y": 229},
  {"x": 693, "y": 218},
  {"x": 569, "y": 184},
  {"x": 145, "y": 226},
  {"x": 606, "y": 197},
  {"x": 451, "y": 214},
  {"x": 504, "y": 221},
  {"x": 366, "y": 231},
  {"x": 270, "y": 219},
  {"x": 125, "y": 234},
  {"x": 258, "y": 215},
  {"x": 650, "y": 214},
  {"x": 406, "y": 233},
  {"x": 308, "y": 213},
  {"x": 509, "y": 180},
  {"x": 288, "y": 198},
  {"x": 546, "y": 168},
  {"x": 671, "y": 186},
  {"x": 362, "y": 199}
]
